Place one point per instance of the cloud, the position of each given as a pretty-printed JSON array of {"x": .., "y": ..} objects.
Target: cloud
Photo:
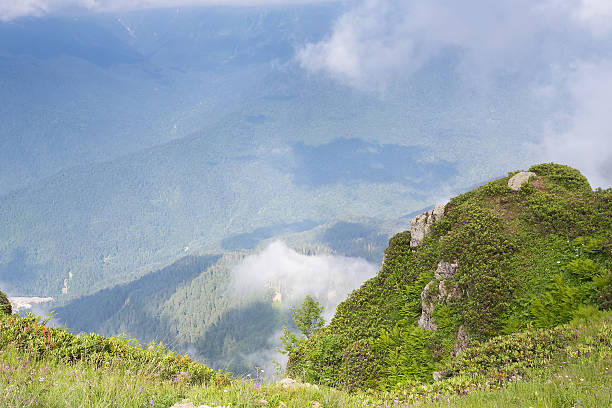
[
  {"x": 585, "y": 140},
  {"x": 594, "y": 15},
  {"x": 328, "y": 278},
  {"x": 564, "y": 44},
  {"x": 12, "y": 9},
  {"x": 380, "y": 41}
]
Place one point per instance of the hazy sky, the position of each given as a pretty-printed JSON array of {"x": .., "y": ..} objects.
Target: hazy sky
[{"x": 11, "y": 9}]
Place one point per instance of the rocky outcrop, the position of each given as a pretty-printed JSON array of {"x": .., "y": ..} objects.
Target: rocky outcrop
[
  {"x": 420, "y": 226},
  {"x": 519, "y": 179},
  {"x": 440, "y": 290},
  {"x": 462, "y": 340}
]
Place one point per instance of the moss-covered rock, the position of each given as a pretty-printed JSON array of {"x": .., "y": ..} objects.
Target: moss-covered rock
[
  {"x": 5, "y": 305},
  {"x": 519, "y": 253}
]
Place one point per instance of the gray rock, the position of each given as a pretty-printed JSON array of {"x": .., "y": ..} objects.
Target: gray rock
[
  {"x": 447, "y": 290},
  {"x": 426, "y": 320},
  {"x": 445, "y": 270},
  {"x": 288, "y": 383},
  {"x": 420, "y": 226},
  {"x": 462, "y": 342},
  {"x": 519, "y": 179}
]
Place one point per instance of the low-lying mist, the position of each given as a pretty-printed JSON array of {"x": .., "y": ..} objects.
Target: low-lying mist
[{"x": 289, "y": 276}]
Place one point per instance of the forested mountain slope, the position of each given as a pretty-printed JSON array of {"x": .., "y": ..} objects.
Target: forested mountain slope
[
  {"x": 194, "y": 306},
  {"x": 497, "y": 261}
]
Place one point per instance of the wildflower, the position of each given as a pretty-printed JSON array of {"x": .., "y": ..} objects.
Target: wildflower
[
  {"x": 257, "y": 386},
  {"x": 151, "y": 401}
]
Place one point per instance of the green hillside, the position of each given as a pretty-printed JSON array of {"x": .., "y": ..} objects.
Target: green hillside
[
  {"x": 498, "y": 261},
  {"x": 48, "y": 367}
]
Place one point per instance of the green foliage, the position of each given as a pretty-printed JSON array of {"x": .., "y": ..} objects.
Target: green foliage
[
  {"x": 289, "y": 341},
  {"x": 318, "y": 359},
  {"x": 504, "y": 356},
  {"x": 308, "y": 317},
  {"x": 603, "y": 283},
  {"x": 5, "y": 305},
  {"x": 361, "y": 366},
  {"x": 557, "y": 305},
  {"x": 584, "y": 269},
  {"x": 406, "y": 355},
  {"x": 496, "y": 188},
  {"x": 29, "y": 334},
  {"x": 549, "y": 213},
  {"x": 555, "y": 367},
  {"x": 562, "y": 175},
  {"x": 482, "y": 248}
]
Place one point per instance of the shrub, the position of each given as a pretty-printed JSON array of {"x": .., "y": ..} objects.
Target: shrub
[
  {"x": 5, "y": 305},
  {"x": 361, "y": 366},
  {"x": 31, "y": 335},
  {"x": 557, "y": 305},
  {"x": 406, "y": 355},
  {"x": 563, "y": 175}
]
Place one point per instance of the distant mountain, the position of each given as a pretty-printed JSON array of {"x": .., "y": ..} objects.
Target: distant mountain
[
  {"x": 92, "y": 88},
  {"x": 133, "y": 139}
]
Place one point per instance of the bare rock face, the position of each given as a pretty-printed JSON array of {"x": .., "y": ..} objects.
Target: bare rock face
[
  {"x": 445, "y": 270},
  {"x": 420, "y": 226},
  {"x": 462, "y": 342},
  {"x": 440, "y": 290},
  {"x": 519, "y": 179}
]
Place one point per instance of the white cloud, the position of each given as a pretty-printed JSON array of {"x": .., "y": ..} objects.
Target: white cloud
[
  {"x": 380, "y": 41},
  {"x": 585, "y": 142},
  {"x": 12, "y": 9},
  {"x": 327, "y": 278},
  {"x": 594, "y": 15}
]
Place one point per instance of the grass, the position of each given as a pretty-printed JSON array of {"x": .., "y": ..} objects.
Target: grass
[{"x": 579, "y": 376}]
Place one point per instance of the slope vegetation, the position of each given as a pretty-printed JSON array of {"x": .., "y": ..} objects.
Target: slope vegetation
[{"x": 498, "y": 261}]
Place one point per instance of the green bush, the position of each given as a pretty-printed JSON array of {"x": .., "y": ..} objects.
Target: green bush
[
  {"x": 563, "y": 175},
  {"x": 5, "y": 305},
  {"x": 557, "y": 305},
  {"x": 406, "y": 355},
  {"x": 361, "y": 366},
  {"x": 31, "y": 335},
  {"x": 584, "y": 269}
]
